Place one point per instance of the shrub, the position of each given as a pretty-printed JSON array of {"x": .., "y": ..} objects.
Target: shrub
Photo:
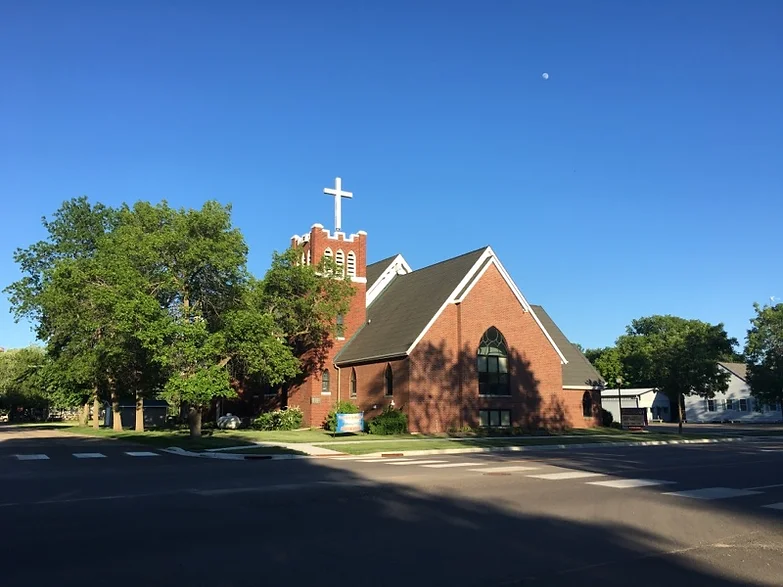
[
  {"x": 286, "y": 419},
  {"x": 606, "y": 418},
  {"x": 390, "y": 421},
  {"x": 343, "y": 407}
]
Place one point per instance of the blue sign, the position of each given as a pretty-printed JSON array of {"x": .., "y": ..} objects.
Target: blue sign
[{"x": 350, "y": 422}]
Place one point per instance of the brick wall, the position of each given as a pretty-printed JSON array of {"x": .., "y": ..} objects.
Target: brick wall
[{"x": 444, "y": 380}]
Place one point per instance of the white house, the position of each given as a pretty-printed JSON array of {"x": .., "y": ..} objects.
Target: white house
[
  {"x": 734, "y": 405},
  {"x": 657, "y": 403}
]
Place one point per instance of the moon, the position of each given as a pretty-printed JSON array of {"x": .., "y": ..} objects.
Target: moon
[{"x": 545, "y": 75}]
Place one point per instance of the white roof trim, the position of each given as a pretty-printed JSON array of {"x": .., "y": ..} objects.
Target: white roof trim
[
  {"x": 397, "y": 266},
  {"x": 450, "y": 300}
]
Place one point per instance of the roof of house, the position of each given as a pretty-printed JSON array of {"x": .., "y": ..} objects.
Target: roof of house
[
  {"x": 375, "y": 270},
  {"x": 403, "y": 310},
  {"x": 738, "y": 369},
  {"x": 627, "y": 392},
  {"x": 578, "y": 371}
]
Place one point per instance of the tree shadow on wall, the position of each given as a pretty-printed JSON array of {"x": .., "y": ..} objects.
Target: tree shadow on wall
[{"x": 444, "y": 393}]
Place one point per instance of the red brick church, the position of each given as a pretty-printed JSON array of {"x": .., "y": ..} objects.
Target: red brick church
[{"x": 454, "y": 344}]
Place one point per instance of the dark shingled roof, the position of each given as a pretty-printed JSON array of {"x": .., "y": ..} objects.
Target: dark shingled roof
[
  {"x": 739, "y": 369},
  {"x": 375, "y": 270},
  {"x": 402, "y": 311},
  {"x": 578, "y": 370}
]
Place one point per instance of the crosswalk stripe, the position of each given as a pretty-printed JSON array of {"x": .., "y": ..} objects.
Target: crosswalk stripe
[
  {"x": 504, "y": 469},
  {"x": 382, "y": 460},
  {"x": 142, "y": 453},
  {"x": 774, "y": 506},
  {"x": 713, "y": 493},
  {"x": 415, "y": 463},
  {"x": 89, "y": 455},
  {"x": 449, "y": 465},
  {"x": 566, "y": 475},
  {"x": 39, "y": 457},
  {"x": 628, "y": 483}
]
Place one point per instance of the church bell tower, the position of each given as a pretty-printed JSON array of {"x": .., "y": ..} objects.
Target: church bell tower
[{"x": 321, "y": 391}]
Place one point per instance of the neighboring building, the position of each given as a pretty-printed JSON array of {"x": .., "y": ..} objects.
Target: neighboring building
[
  {"x": 734, "y": 405},
  {"x": 454, "y": 344},
  {"x": 657, "y": 403}
]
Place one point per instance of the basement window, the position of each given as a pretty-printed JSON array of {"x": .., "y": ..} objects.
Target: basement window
[{"x": 495, "y": 418}]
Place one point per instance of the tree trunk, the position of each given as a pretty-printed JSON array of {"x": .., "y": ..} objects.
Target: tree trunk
[
  {"x": 116, "y": 417},
  {"x": 84, "y": 415},
  {"x": 194, "y": 421},
  {"x": 139, "y": 412},
  {"x": 96, "y": 411},
  {"x": 679, "y": 413}
]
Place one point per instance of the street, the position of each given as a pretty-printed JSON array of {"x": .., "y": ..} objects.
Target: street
[{"x": 707, "y": 514}]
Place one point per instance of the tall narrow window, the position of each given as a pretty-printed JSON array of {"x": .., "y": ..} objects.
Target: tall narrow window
[
  {"x": 325, "y": 382},
  {"x": 587, "y": 405},
  {"x": 327, "y": 253},
  {"x": 340, "y": 330},
  {"x": 352, "y": 384},
  {"x": 388, "y": 378},
  {"x": 339, "y": 258},
  {"x": 492, "y": 359},
  {"x": 308, "y": 256},
  {"x": 351, "y": 264}
]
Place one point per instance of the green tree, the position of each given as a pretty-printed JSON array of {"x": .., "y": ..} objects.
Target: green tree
[
  {"x": 304, "y": 301},
  {"x": 764, "y": 352},
  {"x": 609, "y": 364},
  {"x": 23, "y": 379},
  {"x": 677, "y": 356}
]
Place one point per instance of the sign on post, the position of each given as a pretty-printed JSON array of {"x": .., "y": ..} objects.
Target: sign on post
[
  {"x": 634, "y": 418},
  {"x": 350, "y": 423}
]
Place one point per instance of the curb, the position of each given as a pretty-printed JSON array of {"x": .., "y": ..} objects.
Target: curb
[
  {"x": 532, "y": 448},
  {"x": 446, "y": 451}
]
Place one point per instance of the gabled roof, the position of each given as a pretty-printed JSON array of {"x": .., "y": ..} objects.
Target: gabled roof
[
  {"x": 578, "y": 372},
  {"x": 401, "y": 313},
  {"x": 627, "y": 392},
  {"x": 738, "y": 369},
  {"x": 375, "y": 270}
]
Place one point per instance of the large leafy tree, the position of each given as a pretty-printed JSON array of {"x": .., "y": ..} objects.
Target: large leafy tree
[
  {"x": 304, "y": 301},
  {"x": 23, "y": 379},
  {"x": 677, "y": 356},
  {"x": 764, "y": 353}
]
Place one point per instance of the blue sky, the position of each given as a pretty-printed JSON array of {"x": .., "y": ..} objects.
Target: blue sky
[{"x": 644, "y": 176}]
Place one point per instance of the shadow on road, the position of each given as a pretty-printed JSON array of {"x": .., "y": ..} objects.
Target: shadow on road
[{"x": 301, "y": 522}]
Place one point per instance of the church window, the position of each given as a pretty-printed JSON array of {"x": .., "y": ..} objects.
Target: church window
[
  {"x": 340, "y": 326},
  {"x": 325, "y": 382},
  {"x": 587, "y": 405},
  {"x": 339, "y": 258},
  {"x": 388, "y": 378},
  {"x": 492, "y": 359},
  {"x": 308, "y": 256},
  {"x": 351, "y": 264},
  {"x": 352, "y": 384},
  {"x": 327, "y": 253}
]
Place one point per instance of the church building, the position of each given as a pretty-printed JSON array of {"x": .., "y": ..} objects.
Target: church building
[{"x": 454, "y": 344}]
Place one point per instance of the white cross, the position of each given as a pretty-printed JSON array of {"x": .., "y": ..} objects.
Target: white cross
[{"x": 338, "y": 194}]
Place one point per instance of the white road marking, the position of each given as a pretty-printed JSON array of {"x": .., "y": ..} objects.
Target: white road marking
[
  {"x": 774, "y": 506},
  {"x": 89, "y": 455},
  {"x": 504, "y": 469},
  {"x": 566, "y": 475},
  {"x": 713, "y": 493},
  {"x": 449, "y": 465},
  {"x": 32, "y": 457},
  {"x": 628, "y": 483},
  {"x": 415, "y": 463},
  {"x": 383, "y": 460},
  {"x": 142, "y": 454}
]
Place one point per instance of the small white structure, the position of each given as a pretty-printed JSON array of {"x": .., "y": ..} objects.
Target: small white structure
[
  {"x": 229, "y": 422},
  {"x": 656, "y": 403},
  {"x": 734, "y": 405}
]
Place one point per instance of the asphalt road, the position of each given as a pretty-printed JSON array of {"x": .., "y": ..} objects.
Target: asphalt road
[{"x": 613, "y": 516}]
